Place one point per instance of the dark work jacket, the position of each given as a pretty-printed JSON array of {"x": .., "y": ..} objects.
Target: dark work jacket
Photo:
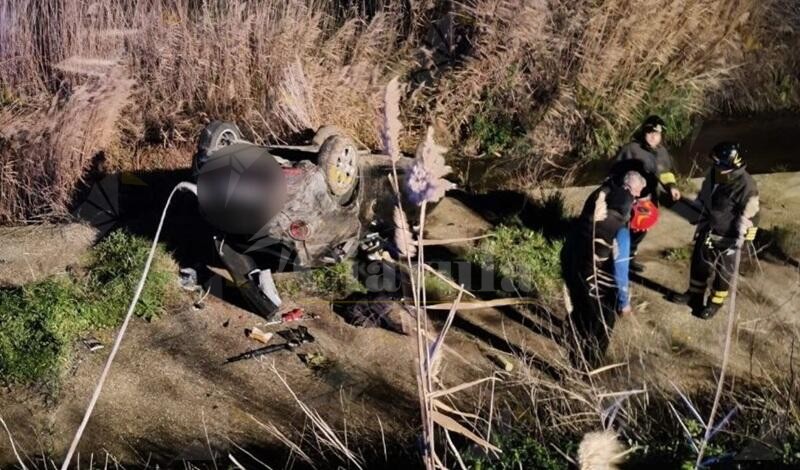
[
  {"x": 725, "y": 199},
  {"x": 654, "y": 164},
  {"x": 587, "y": 232}
]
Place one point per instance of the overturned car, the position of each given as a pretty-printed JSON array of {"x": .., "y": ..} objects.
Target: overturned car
[{"x": 283, "y": 207}]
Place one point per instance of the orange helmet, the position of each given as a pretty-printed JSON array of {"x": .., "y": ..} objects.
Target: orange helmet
[{"x": 644, "y": 215}]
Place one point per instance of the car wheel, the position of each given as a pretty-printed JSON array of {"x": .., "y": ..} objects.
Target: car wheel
[
  {"x": 338, "y": 159},
  {"x": 323, "y": 133},
  {"x": 215, "y": 136}
]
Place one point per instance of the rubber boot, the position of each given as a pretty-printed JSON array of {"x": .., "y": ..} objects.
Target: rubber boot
[
  {"x": 709, "y": 311},
  {"x": 696, "y": 304}
]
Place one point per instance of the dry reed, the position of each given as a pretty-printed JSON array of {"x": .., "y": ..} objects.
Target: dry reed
[{"x": 574, "y": 76}]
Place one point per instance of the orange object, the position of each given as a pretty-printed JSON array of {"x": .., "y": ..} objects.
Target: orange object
[{"x": 644, "y": 215}]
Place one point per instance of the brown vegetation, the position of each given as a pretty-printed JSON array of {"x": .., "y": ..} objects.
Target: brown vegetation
[{"x": 539, "y": 83}]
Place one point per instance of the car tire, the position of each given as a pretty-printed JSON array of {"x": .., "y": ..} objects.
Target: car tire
[
  {"x": 323, "y": 133},
  {"x": 213, "y": 137},
  {"x": 338, "y": 160}
]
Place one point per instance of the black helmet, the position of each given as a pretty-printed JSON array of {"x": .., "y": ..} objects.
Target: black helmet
[
  {"x": 726, "y": 156},
  {"x": 653, "y": 124}
]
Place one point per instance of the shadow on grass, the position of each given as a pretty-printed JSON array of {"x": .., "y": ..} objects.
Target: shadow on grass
[{"x": 548, "y": 216}]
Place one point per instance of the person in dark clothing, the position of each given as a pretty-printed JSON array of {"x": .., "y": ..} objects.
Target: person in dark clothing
[
  {"x": 647, "y": 156},
  {"x": 587, "y": 265},
  {"x": 728, "y": 205}
]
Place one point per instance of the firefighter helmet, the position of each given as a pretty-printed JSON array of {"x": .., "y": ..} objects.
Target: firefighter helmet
[
  {"x": 726, "y": 156},
  {"x": 653, "y": 124},
  {"x": 644, "y": 215}
]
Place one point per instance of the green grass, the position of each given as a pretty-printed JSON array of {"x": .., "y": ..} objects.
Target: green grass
[
  {"x": 496, "y": 125},
  {"x": 681, "y": 253},
  {"x": 339, "y": 281},
  {"x": 438, "y": 290},
  {"x": 497, "y": 132},
  {"x": 290, "y": 285},
  {"x": 790, "y": 449},
  {"x": 40, "y": 322},
  {"x": 607, "y": 132},
  {"x": 523, "y": 256},
  {"x": 334, "y": 281},
  {"x": 519, "y": 451}
]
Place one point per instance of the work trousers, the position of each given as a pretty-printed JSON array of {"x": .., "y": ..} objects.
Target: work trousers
[
  {"x": 636, "y": 239},
  {"x": 593, "y": 301},
  {"x": 712, "y": 257}
]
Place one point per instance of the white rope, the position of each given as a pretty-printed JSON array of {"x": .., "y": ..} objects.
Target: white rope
[
  {"x": 184, "y": 186},
  {"x": 13, "y": 447}
]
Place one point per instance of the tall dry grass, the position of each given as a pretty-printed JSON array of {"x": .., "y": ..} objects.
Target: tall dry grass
[
  {"x": 275, "y": 67},
  {"x": 769, "y": 54},
  {"x": 542, "y": 84},
  {"x": 579, "y": 76}
]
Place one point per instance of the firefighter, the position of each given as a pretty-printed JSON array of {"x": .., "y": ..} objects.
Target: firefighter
[
  {"x": 647, "y": 155},
  {"x": 587, "y": 263},
  {"x": 728, "y": 205}
]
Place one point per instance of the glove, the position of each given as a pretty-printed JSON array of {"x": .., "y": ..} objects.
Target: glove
[
  {"x": 745, "y": 225},
  {"x": 750, "y": 234}
]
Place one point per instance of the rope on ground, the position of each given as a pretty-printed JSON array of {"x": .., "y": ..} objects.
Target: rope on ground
[
  {"x": 13, "y": 447},
  {"x": 184, "y": 186}
]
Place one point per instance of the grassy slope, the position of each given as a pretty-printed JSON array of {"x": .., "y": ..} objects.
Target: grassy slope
[{"x": 41, "y": 321}]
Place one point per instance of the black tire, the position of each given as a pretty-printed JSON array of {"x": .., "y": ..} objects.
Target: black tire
[
  {"x": 338, "y": 160},
  {"x": 213, "y": 137},
  {"x": 218, "y": 134},
  {"x": 323, "y": 133}
]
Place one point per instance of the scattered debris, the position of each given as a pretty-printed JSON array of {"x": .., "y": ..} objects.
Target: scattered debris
[
  {"x": 258, "y": 335},
  {"x": 188, "y": 280},
  {"x": 295, "y": 314},
  {"x": 266, "y": 284},
  {"x": 373, "y": 311},
  {"x": 372, "y": 244},
  {"x": 500, "y": 361},
  {"x": 200, "y": 303},
  {"x": 294, "y": 337},
  {"x": 92, "y": 344},
  {"x": 316, "y": 361}
]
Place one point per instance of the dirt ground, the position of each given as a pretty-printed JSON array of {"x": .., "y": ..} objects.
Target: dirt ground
[
  {"x": 169, "y": 386},
  {"x": 662, "y": 344},
  {"x": 170, "y": 397},
  {"x": 31, "y": 253}
]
